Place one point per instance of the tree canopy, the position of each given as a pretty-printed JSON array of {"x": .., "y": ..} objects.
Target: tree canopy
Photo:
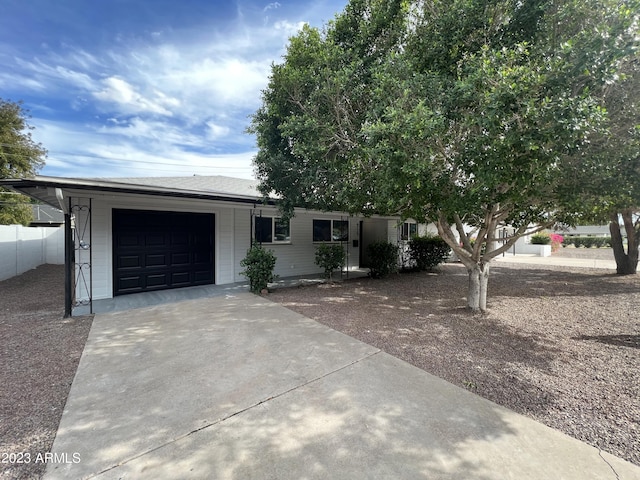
[
  {"x": 461, "y": 113},
  {"x": 20, "y": 157}
]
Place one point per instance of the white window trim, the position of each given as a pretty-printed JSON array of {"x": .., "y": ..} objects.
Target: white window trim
[
  {"x": 331, "y": 229},
  {"x": 273, "y": 231}
]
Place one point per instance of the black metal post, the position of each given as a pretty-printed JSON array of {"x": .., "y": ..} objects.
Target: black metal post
[{"x": 68, "y": 266}]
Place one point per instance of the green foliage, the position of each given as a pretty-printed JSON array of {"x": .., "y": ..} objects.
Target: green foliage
[
  {"x": 428, "y": 251},
  {"x": 15, "y": 209},
  {"x": 383, "y": 259},
  {"x": 540, "y": 239},
  {"x": 20, "y": 157},
  {"x": 330, "y": 257},
  {"x": 460, "y": 113},
  {"x": 588, "y": 242},
  {"x": 259, "y": 264}
]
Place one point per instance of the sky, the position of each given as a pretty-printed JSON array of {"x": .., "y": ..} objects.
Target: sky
[{"x": 128, "y": 88}]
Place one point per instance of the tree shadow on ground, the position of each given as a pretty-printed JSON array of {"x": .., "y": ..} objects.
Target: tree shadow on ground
[{"x": 630, "y": 341}]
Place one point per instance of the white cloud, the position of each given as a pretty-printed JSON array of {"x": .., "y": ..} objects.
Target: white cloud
[
  {"x": 217, "y": 131},
  {"x": 273, "y": 5},
  {"x": 118, "y": 91},
  {"x": 82, "y": 152}
]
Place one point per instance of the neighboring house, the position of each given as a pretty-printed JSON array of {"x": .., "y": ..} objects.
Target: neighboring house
[{"x": 131, "y": 235}]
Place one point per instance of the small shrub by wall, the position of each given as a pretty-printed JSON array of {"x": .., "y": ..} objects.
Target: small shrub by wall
[
  {"x": 383, "y": 259},
  {"x": 330, "y": 257},
  {"x": 258, "y": 267},
  {"x": 428, "y": 252},
  {"x": 541, "y": 239}
]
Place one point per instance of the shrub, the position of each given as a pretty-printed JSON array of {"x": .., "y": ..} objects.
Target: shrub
[
  {"x": 588, "y": 242},
  {"x": 383, "y": 259},
  {"x": 540, "y": 239},
  {"x": 330, "y": 257},
  {"x": 428, "y": 252},
  {"x": 259, "y": 264}
]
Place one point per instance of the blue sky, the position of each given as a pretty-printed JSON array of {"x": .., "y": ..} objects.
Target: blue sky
[{"x": 146, "y": 87}]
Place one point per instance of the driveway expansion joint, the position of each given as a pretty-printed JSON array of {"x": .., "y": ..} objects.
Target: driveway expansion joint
[{"x": 222, "y": 420}]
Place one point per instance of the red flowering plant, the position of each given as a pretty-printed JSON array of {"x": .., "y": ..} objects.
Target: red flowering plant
[{"x": 556, "y": 241}]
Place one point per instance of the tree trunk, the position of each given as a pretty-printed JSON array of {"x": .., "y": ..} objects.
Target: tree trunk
[
  {"x": 626, "y": 262},
  {"x": 478, "y": 283}
]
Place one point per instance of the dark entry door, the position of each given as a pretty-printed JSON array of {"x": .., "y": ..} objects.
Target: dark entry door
[{"x": 159, "y": 250}]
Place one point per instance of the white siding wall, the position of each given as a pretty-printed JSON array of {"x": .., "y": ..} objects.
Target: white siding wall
[
  {"x": 102, "y": 239},
  {"x": 232, "y": 237},
  {"x": 224, "y": 245},
  {"x": 298, "y": 256},
  {"x": 242, "y": 240}
]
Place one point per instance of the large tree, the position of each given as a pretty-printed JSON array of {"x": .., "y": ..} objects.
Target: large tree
[
  {"x": 20, "y": 157},
  {"x": 457, "y": 112},
  {"x": 605, "y": 186}
]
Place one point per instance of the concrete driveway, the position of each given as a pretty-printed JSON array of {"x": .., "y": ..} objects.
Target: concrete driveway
[{"x": 237, "y": 387}]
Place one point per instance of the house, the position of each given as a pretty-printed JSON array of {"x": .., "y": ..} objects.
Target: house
[{"x": 133, "y": 235}]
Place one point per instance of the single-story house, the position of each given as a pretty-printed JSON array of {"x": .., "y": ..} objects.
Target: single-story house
[{"x": 132, "y": 235}]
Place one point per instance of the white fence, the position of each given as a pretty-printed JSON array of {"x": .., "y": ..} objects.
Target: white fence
[{"x": 24, "y": 248}]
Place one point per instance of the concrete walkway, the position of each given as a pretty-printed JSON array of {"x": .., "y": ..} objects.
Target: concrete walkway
[{"x": 237, "y": 387}]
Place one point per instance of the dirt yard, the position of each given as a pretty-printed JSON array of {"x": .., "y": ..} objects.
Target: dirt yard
[
  {"x": 39, "y": 355},
  {"x": 562, "y": 347}
]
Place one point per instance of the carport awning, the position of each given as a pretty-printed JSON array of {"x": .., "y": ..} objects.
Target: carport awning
[{"x": 44, "y": 188}]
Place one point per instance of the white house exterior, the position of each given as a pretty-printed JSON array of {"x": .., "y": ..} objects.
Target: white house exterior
[{"x": 141, "y": 234}]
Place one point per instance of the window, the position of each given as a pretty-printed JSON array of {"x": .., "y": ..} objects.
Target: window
[
  {"x": 330, "y": 230},
  {"x": 272, "y": 230},
  {"x": 409, "y": 230}
]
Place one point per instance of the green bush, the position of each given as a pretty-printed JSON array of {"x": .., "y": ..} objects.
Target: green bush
[
  {"x": 428, "y": 252},
  {"x": 330, "y": 257},
  {"x": 540, "y": 239},
  {"x": 259, "y": 264},
  {"x": 383, "y": 259},
  {"x": 588, "y": 242}
]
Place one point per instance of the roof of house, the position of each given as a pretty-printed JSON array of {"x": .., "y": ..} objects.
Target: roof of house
[
  {"x": 215, "y": 187},
  {"x": 205, "y": 183}
]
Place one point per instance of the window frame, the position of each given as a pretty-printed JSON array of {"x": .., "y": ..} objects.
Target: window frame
[
  {"x": 408, "y": 236},
  {"x": 273, "y": 221},
  {"x": 332, "y": 227}
]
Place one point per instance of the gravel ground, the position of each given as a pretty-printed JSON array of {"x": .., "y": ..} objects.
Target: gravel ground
[
  {"x": 39, "y": 355},
  {"x": 561, "y": 346}
]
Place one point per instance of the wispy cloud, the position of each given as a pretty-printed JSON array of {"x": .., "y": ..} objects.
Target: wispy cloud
[{"x": 162, "y": 92}]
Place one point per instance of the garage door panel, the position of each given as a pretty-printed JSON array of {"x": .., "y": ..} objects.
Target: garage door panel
[
  {"x": 132, "y": 284},
  {"x": 164, "y": 249},
  {"x": 156, "y": 260},
  {"x": 181, "y": 278},
  {"x": 128, "y": 261},
  {"x": 178, "y": 259},
  {"x": 157, "y": 280}
]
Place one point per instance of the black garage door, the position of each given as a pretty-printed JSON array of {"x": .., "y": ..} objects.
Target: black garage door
[{"x": 158, "y": 250}]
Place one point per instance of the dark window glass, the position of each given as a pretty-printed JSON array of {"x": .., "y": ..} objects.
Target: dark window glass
[
  {"x": 282, "y": 231},
  {"x": 340, "y": 231},
  {"x": 322, "y": 230},
  {"x": 264, "y": 230}
]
